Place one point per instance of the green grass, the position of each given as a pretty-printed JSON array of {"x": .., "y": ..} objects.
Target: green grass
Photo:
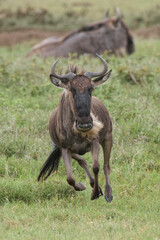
[
  {"x": 68, "y": 15},
  {"x": 53, "y": 210}
]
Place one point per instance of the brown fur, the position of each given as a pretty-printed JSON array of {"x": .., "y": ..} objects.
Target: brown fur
[
  {"x": 62, "y": 123},
  {"x": 81, "y": 123}
]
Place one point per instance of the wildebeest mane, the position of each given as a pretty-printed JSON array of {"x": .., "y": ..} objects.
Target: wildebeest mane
[
  {"x": 74, "y": 69},
  {"x": 70, "y": 68},
  {"x": 91, "y": 27}
]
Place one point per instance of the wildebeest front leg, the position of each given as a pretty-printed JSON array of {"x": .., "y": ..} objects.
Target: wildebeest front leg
[
  {"x": 68, "y": 164},
  {"x": 82, "y": 162},
  {"x": 97, "y": 192},
  {"x": 107, "y": 145}
]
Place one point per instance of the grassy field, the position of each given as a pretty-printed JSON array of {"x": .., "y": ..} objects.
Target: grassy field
[
  {"x": 68, "y": 15},
  {"x": 53, "y": 210}
]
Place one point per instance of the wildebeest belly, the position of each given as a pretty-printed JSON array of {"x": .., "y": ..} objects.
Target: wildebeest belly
[{"x": 80, "y": 147}]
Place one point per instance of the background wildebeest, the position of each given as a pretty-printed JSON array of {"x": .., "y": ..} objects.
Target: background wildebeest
[
  {"x": 111, "y": 34},
  {"x": 80, "y": 123}
]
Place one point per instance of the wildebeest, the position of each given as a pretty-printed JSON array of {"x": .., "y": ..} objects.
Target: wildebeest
[
  {"x": 80, "y": 123},
  {"x": 111, "y": 34}
]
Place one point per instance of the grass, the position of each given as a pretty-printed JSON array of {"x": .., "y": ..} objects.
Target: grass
[
  {"x": 53, "y": 210},
  {"x": 65, "y": 16}
]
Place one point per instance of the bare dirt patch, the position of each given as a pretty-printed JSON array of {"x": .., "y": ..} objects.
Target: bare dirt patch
[
  {"x": 149, "y": 32},
  {"x": 9, "y": 38}
]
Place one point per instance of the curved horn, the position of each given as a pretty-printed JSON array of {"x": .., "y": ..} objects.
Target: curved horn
[
  {"x": 92, "y": 74},
  {"x": 65, "y": 76}
]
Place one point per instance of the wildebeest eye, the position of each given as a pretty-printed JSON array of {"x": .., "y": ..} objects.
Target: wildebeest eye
[
  {"x": 73, "y": 90},
  {"x": 90, "y": 89}
]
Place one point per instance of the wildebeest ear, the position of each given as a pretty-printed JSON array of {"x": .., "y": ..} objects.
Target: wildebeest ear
[
  {"x": 101, "y": 79},
  {"x": 58, "y": 83}
]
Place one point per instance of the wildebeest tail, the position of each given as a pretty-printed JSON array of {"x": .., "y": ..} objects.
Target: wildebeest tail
[{"x": 51, "y": 164}]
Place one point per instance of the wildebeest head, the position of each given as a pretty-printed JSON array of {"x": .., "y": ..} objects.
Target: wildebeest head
[{"x": 81, "y": 87}]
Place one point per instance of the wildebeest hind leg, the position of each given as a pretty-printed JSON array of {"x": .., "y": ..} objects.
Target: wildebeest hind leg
[
  {"x": 107, "y": 145},
  {"x": 82, "y": 162},
  {"x": 68, "y": 164}
]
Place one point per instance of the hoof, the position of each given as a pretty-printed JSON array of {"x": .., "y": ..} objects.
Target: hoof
[
  {"x": 109, "y": 198},
  {"x": 96, "y": 194},
  {"x": 108, "y": 193},
  {"x": 79, "y": 187}
]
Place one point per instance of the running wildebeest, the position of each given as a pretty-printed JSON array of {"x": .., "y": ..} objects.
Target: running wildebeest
[{"x": 80, "y": 123}]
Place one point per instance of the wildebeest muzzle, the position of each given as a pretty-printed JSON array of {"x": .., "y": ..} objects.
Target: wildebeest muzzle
[{"x": 84, "y": 124}]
